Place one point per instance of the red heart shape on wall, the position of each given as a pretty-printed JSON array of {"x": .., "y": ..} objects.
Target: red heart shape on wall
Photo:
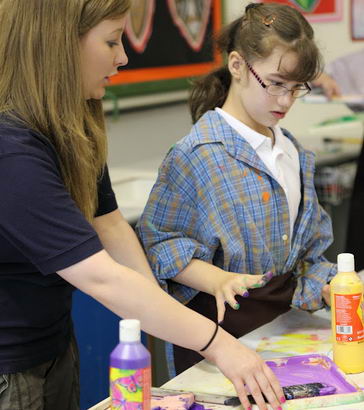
[
  {"x": 191, "y": 17},
  {"x": 139, "y": 23}
]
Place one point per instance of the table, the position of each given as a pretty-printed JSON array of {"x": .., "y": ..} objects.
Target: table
[{"x": 204, "y": 377}]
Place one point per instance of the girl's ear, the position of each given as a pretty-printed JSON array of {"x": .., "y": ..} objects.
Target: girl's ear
[{"x": 235, "y": 62}]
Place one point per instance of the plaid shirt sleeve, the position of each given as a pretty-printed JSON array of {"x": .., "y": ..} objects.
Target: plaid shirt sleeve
[
  {"x": 313, "y": 269},
  {"x": 172, "y": 227}
]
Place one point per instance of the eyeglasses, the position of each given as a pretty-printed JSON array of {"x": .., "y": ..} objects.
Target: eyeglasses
[{"x": 273, "y": 89}]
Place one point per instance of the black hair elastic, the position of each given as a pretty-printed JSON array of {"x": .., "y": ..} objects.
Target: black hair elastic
[
  {"x": 212, "y": 338},
  {"x": 252, "y": 6}
]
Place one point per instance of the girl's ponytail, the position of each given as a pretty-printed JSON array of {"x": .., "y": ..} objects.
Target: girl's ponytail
[{"x": 209, "y": 91}]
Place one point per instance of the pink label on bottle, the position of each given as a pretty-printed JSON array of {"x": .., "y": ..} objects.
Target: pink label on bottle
[{"x": 130, "y": 389}]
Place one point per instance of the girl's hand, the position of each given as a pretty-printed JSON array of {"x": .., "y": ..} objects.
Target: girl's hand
[
  {"x": 246, "y": 370},
  {"x": 236, "y": 284},
  {"x": 326, "y": 294}
]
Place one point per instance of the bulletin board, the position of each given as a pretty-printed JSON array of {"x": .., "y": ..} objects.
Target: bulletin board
[
  {"x": 315, "y": 10},
  {"x": 167, "y": 42}
]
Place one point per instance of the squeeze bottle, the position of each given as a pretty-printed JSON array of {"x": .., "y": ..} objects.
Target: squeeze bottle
[
  {"x": 130, "y": 373},
  {"x": 347, "y": 316}
]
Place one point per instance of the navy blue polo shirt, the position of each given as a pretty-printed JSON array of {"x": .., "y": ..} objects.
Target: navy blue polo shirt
[{"x": 41, "y": 232}]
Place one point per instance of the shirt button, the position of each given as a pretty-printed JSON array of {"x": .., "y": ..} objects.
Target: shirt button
[{"x": 284, "y": 237}]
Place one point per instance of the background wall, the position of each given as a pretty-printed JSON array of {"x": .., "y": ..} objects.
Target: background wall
[{"x": 148, "y": 133}]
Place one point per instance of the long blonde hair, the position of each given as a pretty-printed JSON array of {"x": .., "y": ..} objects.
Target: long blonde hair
[{"x": 41, "y": 84}]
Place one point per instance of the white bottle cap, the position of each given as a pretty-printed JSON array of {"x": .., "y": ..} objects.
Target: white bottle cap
[
  {"x": 129, "y": 330},
  {"x": 345, "y": 262}
]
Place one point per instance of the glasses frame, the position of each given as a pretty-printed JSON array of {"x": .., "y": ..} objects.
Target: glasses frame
[{"x": 266, "y": 86}]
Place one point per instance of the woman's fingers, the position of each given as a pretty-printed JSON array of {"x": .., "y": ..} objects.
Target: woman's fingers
[
  {"x": 270, "y": 386},
  {"x": 256, "y": 392},
  {"x": 276, "y": 389},
  {"x": 241, "y": 392},
  {"x": 244, "y": 366}
]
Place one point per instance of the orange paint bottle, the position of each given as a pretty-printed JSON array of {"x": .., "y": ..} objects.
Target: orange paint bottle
[{"x": 347, "y": 316}]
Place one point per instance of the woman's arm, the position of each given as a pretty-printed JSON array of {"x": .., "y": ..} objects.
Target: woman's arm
[
  {"x": 121, "y": 243},
  {"x": 130, "y": 295}
]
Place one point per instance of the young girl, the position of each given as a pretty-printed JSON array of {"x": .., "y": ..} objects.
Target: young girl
[
  {"x": 60, "y": 226},
  {"x": 233, "y": 217}
]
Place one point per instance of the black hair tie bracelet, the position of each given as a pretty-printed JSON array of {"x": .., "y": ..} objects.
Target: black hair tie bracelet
[{"x": 212, "y": 338}]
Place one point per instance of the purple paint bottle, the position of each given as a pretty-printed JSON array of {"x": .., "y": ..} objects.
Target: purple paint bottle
[{"x": 130, "y": 374}]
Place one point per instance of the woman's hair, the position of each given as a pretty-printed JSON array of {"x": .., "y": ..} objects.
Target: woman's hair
[
  {"x": 41, "y": 84},
  {"x": 254, "y": 35}
]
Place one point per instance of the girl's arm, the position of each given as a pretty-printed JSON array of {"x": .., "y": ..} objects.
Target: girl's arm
[
  {"x": 224, "y": 285},
  {"x": 121, "y": 243},
  {"x": 130, "y": 295}
]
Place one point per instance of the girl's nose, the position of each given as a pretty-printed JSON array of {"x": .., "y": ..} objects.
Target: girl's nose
[{"x": 286, "y": 100}]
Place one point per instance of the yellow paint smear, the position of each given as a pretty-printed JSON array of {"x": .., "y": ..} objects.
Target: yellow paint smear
[{"x": 297, "y": 343}]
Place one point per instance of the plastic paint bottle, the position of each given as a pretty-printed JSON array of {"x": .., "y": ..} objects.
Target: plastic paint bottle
[
  {"x": 130, "y": 374},
  {"x": 347, "y": 316}
]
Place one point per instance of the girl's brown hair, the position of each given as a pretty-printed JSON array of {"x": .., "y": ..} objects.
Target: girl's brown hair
[
  {"x": 41, "y": 84},
  {"x": 254, "y": 35}
]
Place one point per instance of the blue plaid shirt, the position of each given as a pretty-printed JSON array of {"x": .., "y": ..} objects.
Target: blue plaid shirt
[{"x": 216, "y": 201}]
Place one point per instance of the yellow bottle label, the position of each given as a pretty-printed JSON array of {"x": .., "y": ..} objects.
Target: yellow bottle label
[{"x": 349, "y": 317}]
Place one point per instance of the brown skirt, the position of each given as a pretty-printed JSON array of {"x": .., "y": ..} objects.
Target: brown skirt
[{"x": 261, "y": 307}]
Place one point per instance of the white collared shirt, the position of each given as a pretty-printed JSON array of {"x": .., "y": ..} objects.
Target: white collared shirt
[{"x": 281, "y": 159}]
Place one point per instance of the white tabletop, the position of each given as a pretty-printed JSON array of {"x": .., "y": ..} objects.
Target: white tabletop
[{"x": 206, "y": 378}]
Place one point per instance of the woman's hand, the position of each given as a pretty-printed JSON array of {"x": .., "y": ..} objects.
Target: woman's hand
[
  {"x": 326, "y": 294},
  {"x": 233, "y": 284},
  {"x": 246, "y": 370},
  {"x": 329, "y": 86}
]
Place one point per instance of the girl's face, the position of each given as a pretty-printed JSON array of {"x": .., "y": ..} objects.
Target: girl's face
[
  {"x": 102, "y": 52},
  {"x": 249, "y": 101}
]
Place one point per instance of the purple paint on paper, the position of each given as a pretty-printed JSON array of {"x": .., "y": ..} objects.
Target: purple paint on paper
[
  {"x": 196, "y": 406},
  {"x": 313, "y": 368}
]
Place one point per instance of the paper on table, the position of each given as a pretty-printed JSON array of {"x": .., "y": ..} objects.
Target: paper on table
[{"x": 344, "y": 99}]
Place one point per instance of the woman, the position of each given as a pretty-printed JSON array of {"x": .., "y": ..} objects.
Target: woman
[{"x": 59, "y": 223}]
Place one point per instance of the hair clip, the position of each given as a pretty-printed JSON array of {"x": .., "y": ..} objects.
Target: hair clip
[{"x": 268, "y": 20}]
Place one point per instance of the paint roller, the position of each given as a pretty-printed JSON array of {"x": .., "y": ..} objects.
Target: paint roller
[{"x": 297, "y": 391}]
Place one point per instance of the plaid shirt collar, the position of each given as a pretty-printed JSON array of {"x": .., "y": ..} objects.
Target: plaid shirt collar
[{"x": 237, "y": 146}]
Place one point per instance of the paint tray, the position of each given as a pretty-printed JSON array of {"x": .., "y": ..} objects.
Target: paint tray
[{"x": 315, "y": 368}]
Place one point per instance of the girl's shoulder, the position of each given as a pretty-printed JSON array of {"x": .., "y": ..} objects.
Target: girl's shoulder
[{"x": 210, "y": 131}]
